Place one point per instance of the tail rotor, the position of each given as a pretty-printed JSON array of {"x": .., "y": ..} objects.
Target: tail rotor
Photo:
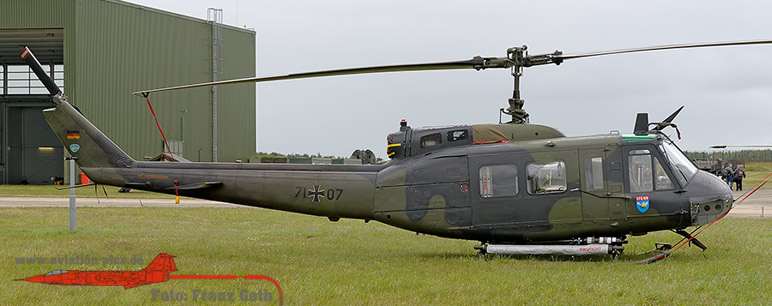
[{"x": 642, "y": 123}]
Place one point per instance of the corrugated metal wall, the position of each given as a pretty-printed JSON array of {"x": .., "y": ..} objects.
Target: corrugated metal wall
[
  {"x": 42, "y": 14},
  {"x": 235, "y": 116},
  {"x": 114, "y": 48}
]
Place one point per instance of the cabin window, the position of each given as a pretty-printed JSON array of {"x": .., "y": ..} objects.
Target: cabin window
[
  {"x": 498, "y": 181},
  {"x": 593, "y": 173},
  {"x": 545, "y": 178},
  {"x": 431, "y": 140},
  {"x": 456, "y": 135}
]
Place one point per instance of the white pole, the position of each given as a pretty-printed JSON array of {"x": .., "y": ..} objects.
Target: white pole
[{"x": 72, "y": 194}]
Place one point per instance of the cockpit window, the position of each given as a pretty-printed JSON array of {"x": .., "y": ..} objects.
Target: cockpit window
[
  {"x": 662, "y": 180},
  {"x": 55, "y": 272},
  {"x": 683, "y": 168},
  {"x": 639, "y": 171},
  {"x": 646, "y": 173}
]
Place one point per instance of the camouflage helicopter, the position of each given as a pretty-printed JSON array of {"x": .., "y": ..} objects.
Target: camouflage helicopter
[{"x": 517, "y": 187}]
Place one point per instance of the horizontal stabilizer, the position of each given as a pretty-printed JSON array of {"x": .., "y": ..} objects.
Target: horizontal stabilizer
[
  {"x": 194, "y": 186},
  {"x": 76, "y": 186}
]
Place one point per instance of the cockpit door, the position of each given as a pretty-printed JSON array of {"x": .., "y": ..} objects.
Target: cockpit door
[{"x": 649, "y": 184}]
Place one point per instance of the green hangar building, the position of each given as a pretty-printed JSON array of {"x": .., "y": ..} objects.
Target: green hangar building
[{"x": 99, "y": 52}]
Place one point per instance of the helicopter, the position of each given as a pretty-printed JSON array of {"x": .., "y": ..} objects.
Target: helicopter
[{"x": 516, "y": 187}]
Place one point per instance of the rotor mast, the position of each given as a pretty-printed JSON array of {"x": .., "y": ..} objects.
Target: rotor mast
[
  {"x": 519, "y": 115},
  {"x": 518, "y": 58}
]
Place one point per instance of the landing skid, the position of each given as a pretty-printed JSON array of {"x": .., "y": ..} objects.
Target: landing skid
[
  {"x": 582, "y": 247},
  {"x": 692, "y": 239},
  {"x": 661, "y": 251}
]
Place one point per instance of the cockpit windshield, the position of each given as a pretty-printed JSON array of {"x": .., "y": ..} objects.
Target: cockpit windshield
[
  {"x": 55, "y": 272},
  {"x": 683, "y": 168}
]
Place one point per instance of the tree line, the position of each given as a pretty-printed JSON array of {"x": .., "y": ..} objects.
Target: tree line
[
  {"x": 280, "y": 155},
  {"x": 745, "y": 155}
]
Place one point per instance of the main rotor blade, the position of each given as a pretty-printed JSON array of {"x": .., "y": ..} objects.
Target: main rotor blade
[
  {"x": 741, "y": 146},
  {"x": 474, "y": 63},
  {"x": 477, "y": 63},
  {"x": 663, "y": 47}
]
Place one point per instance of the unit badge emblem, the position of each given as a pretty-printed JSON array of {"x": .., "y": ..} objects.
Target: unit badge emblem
[{"x": 642, "y": 203}]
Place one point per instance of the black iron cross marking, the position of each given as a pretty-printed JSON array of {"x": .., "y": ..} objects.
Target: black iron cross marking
[{"x": 316, "y": 193}]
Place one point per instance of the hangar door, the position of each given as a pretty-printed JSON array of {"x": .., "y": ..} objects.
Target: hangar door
[
  {"x": 34, "y": 154},
  {"x": 30, "y": 152}
]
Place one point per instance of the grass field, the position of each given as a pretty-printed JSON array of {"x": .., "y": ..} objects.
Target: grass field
[
  {"x": 755, "y": 173},
  {"x": 349, "y": 262}
]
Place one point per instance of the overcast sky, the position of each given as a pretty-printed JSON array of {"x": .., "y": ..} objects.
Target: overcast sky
[{"x": 727, "y": 91}]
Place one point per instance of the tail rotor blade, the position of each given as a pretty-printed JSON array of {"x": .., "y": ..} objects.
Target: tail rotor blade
[
  {"x": 669, "y": 119},
  {"x": 35, "y": 66}
]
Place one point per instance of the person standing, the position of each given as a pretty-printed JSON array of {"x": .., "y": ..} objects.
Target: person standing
[
  {"x": 739, "y": 175},
  {"x": 729, "y": 175}
]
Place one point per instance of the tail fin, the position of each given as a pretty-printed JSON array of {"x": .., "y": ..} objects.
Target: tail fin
[
  {"x": 83, "y": 140},
  {"x": 90, "y": 147},
  {"x": 162, "y": 263}
]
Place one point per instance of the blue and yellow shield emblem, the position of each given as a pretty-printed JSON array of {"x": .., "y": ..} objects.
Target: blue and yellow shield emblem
[{"x": 642, "y": 203}]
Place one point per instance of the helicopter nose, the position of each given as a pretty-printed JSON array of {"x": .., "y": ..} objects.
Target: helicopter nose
[
  {"x": 35, "y": 279},
  {"x": 710, "y": 198}
]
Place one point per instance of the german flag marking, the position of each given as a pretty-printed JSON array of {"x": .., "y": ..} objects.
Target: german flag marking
[{"x": 73, "y": 135}]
